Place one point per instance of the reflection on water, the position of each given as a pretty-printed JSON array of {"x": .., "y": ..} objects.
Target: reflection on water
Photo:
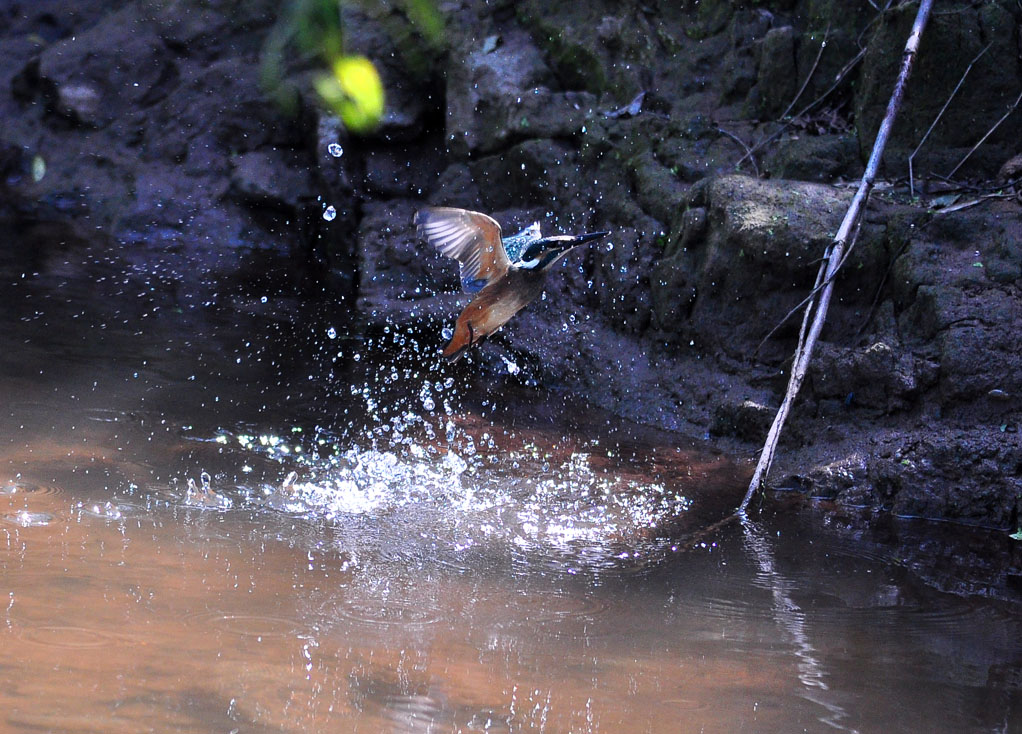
[{"x": 199, "y": 537}]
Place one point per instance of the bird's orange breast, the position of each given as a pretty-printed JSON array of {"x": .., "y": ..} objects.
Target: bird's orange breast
[{"x": 492, "y": 308}]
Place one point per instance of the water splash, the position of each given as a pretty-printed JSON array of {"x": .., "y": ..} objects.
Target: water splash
[{"x": 204, "y": 496}]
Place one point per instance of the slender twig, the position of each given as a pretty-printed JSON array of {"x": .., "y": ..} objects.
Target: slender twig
[
  {"x": 748, "y": 152},
  {"x": 805, "y": 110},
  {"x": 845, "y": 237},
  {"x": 812, "y": 70},
  {"x": 988, "y": 134},
  {"x": 911, "y": 179},
  {"x": 820, "y": 283}
]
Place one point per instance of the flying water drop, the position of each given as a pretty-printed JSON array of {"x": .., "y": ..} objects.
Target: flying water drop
[
  {"x": 335, "y": 150},
  {"x": 512, "y": 366},
  {"x": 329, "y": 214}
]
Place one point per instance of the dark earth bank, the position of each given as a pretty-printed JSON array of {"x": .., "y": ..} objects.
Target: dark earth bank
[{"x": 143, "y": 126}]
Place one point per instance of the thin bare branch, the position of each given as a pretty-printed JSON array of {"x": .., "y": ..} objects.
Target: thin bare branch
[
  {"x": 845, "y": 238},
  {"x": 819, "y": 285},
  {"x": 812, "y": 70},
  {"x": 988, "y": 134},
  {"x": 748, "y": 152},
  {"x": 805, "y": 110},
  {"x": 911, "y": 179}
]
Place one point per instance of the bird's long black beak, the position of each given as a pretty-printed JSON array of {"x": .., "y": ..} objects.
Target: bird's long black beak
[{"x": 588, "y": 237}]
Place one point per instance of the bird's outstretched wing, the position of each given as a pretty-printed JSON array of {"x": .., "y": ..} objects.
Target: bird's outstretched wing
[{"x": 471, "y": 238}]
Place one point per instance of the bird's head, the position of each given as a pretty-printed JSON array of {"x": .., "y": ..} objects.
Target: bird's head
[{"x": 544, "y": 252}]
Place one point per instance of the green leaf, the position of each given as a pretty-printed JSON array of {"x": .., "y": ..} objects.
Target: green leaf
[
  {"x": 354, "y": 91},
  {"x": 426, "y": 17}
]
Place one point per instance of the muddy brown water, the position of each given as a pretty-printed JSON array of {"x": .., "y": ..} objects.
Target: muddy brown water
[{"x": 215, "y": 523}]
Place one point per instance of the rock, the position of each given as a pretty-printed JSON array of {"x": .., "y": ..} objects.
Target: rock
[
  {"x": 399, "y": 274},
  {"x": 620, "y": 280},
  {"x": 747, "y": 420},
  {"x": 267, "y": 177},
  {"x": 535, "y": 172},
  {"x": 571, "y": 40},
  {"x": 948, "y": 299},
  {"x": 1011, "y": 170},
  {"x": 822, "y": 158},
  {"x": 757, "y": 260},
  {"x": 455, "y": 186},
  {"x": 398, "y": 170},
  {"x": 741, "y": 64},
  {"x": 79, "y": 102},
  {"x": 490, "y": 94},
  {"x": 657, "y": 190},
  {"x": 966, "y": 476},
  {"x": 877, "y": 376},
  {"x": 951, "y": 42},
  {"x": 776, "y": 77},
  {"x": 103, "y": 74},
  {"x": 846, "y": 480}
]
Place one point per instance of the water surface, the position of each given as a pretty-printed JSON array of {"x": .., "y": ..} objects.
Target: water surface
[{"x": 213, "y": 521}]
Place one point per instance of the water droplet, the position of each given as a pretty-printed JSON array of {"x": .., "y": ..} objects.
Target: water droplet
[
  {"x": 331, "y": 333},
  {"x": 447, "y": 333},
  {"x": 330, "y": 213},
  {"x": 335, "y": 150},
  {"x": 38, "y": 168}
]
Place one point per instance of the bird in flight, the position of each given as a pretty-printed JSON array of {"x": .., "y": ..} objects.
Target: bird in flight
[{"x": 503, "y": 274}]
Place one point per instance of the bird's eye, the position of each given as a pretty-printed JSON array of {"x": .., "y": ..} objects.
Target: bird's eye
[{"x": 532, "y": 251}]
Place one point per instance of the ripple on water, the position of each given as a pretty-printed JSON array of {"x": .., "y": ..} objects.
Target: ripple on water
[
  {"x": 70, "y": 637},
  {"x": 544, "y": 557},
  {"x": 248, "y": 625},
  {"x": 117, "y": 510},
  {"x": 555, "y": 605},
  {"x": 390, "y": 612},
  {"x": 26, "y": 487},
  {"x": 200, "y": 497},
  {"x": 26, "y": 519}
]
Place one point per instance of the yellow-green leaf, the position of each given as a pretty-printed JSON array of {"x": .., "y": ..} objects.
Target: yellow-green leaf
[{"x": 354, "y": 91}]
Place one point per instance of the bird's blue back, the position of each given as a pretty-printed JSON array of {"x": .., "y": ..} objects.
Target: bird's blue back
[{"x": 515, "y": 245}]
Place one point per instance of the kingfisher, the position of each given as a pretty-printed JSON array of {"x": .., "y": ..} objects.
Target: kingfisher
[{"x": 505, "y": 274}]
